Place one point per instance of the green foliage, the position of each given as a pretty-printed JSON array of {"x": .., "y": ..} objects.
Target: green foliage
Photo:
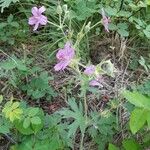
[
  {"x": 76, "y": 113},
  {"x": 5, "y": 126},
  {"x": 57, "y": 132},
  {"x": 127, "y": 144},
  {"x": 31, "y": 122},
  {"x": 138, "y": 119},
  {"x": 8, "y": 30},
  {"x": 131, "y": 144},
  {"x": 6, "y": 3},
  {"x": 34, "y": 144},
  {"x": 103, "y": 127},
  {"x": 83, "y": 9},
  {"x": 137, "y": 99},
  {"x": 12, "y": 111},
  {"x": 112, "y": 147},
  {"x": 144, "y": 88},
  {"x": 140, "y": 115},
  {"x": 143, "y": 63},
  {"x": 19, "y": 69},
  {"x": 121, "y": 28},
  {"x": 39, "y": 87},
  {"x": 1, "y": 98},
  {"x": 75, "y": 20}
]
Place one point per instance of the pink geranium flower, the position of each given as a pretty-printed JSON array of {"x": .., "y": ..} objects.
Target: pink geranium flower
[
  {"x": 37, "y": 18},
  {"x": 97, "y": 82},
  {"x": 64, "y": 57},
  {"x": 105, "y": 20},
  {"x": 89, "y": 70}
]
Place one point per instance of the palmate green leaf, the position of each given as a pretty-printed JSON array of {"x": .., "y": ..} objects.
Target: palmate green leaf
[
  {"x": 137, "y": 99},
  {"x": 138, "y": 119},
  {"x": 6, "y": 3},
  {"x": 76, "y": 113}
]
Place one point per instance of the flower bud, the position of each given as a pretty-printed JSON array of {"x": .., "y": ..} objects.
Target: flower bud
[
  {"x": 65, "y": 8},
  {"x": 87, "y": 27},
  {"x": 59, "y": 10}
]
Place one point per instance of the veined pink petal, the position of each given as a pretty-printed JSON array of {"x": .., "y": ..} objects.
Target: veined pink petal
[
  {"x": 61, "y": 65},
  {"x": 35, "y": 11},
  {"x": 42, "y": 9},
  {"x": 64, "y": 57},
  {"x": 70, "y": 53},
  {"x": 36, "y": 26},
  {"x": 67, "y": 45},
  {"x": 32, "y": 20},
  {"x": 60, "y": 54},
  {"x": 65, "y": 64},
  {"x": 43, "y": 20}
]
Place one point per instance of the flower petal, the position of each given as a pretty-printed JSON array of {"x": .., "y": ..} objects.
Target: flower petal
[
  {"x": 89, "y": 70},
  {"x": 67, "y": 45},
  {"x": 35, "y": 11},
  {"x": 95, "y": 83},
  {"x": 60, "y": 54},
  {"x": 42, "y": 20},
  {"x": 32, "y": 20},
  {"x": 105, "y": 20},
  {"x": 61, "y": 65},
  {"x": 69, "y": 51},
  {"x": 42, "y": 9},
  {"x": 36, "y": 26}
]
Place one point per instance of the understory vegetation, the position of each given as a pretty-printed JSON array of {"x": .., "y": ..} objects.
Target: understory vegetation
[{"x": 74, "y": 74}]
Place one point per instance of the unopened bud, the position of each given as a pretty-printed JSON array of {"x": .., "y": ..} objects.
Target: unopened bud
[
  {"x": 65, "y": 8},
  {"x": 87, "y": 27},
  {"x": 59, "y": 10}
]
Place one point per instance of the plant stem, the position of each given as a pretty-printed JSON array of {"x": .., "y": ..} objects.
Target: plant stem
[
  {"x": 53, "y": 24},
  {"x": 80, "y": 64},
  {"x": 85, "y": 106},
  {"x": 95, "y": 25},
  {"x": 81, "y": 143},
  {"x": 8, "y": 56},
  {"x": 85, "y": 110}
]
